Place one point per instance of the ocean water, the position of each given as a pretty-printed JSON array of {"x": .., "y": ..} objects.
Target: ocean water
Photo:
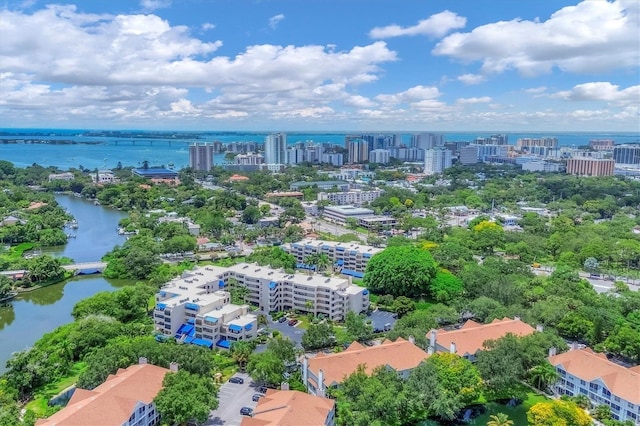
[{"x": 159, "y": 148}]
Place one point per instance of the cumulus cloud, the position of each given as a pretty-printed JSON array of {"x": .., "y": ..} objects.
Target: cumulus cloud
[
  {"x": 358, "y": 101},
  {"x": 275, "y": 20},
  {"x": 434, "y": 26},
  {"x": 207, "y": 26},
  {"x": 414, "y": 94},
  {"x": 471, "y": 79},
  {"x": 593, "y": 36},
  {"x": 536, "y": 90},
  {"x": 601, "y": 91}
]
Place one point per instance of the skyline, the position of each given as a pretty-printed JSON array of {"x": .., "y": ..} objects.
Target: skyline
[{"x": 321, "y": 65}]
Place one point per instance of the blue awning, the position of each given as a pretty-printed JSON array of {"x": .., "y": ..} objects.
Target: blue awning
[
  {"x": 353, "y": 273},
  {"x": 365, "y": 292},
  {"x": 366, "y": 254},
  {"x": 272, "y": 285},
  {"x": 308, "y": 246},
  {"x": 339, "y": 262},
  {"x": 221, "y": 284},
  {"x": 235, "y": 327},
  {"x": 248, "y": 327},
  {"x": 163, "y": 293},
  {"x": 191, "y": 321},
  {"x": 340, "y": 248},
  {"x": 326, "y": 247},
  {"x": 192, "y": 306},
  {"x": 354, "y": 252},
  {"x": 305, "y": 266},
  {"x": 189, "y": 339},
  {"x": 211, "y": 319},
  {"x": 203, "y": 342},
  {"x": 224, "y": 343},
  {"x": 161, "y": 306}
]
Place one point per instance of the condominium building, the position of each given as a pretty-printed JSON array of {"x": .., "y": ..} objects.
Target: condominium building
[
  {"x": 436, "y": 160},
  {"x": 351, "y": 174},
  {"x": 125, "y": 398},
  {"x": 584, "y": 372},
  {"x": 499, "y": 139},
  {"x": 321, "y": 184},
  {"x": 627, "y": 154},
  {"x": 523, "y": 144},
  {"x": 469, "y": 339},
  {"x": 291, "y": 408},
  {"x": 468, "y": 155},
  {"x": 340, "y": 214},
  {"x": 380, "y": 156},
  {"x": 329, "y": 370},
  {"x": 352, "y": 258},
  {"x": 590, "y": 166},
  {"x": 357, "y": 149},
  {"x": 356, "y": 197},
  {"x": 201, "y": 156},
  {"x": 196, "y": 309},
  {"x": 427, "y": 141},
  {"x": 275, "y": 149},
  {"x": 601, "y": 144},
  {"x": 249, "y": 159}
]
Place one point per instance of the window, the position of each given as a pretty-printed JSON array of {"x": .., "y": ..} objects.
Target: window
[
  {"x": 606, "y": 392},
  {"x": 593, "y": 387}
]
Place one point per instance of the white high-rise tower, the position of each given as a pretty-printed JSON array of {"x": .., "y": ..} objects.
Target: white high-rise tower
[{"x": 275, "y": 148}]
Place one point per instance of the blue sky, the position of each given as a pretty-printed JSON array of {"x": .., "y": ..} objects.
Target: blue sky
[{"x": 553, "y": 65}]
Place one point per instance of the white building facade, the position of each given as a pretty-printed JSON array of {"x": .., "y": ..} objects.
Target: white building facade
[
  {"x": 436, "y": 160},
  {"x": 275, "y": 149}
]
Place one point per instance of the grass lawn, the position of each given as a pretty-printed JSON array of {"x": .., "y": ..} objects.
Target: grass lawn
[{"x": 40, "y": 402}]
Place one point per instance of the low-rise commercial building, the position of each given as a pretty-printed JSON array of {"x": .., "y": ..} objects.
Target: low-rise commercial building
[
  {"x": 291, "y": 408},
  {"x": 196, "y": 309},
  {"x": 355, "y": 197},
  {"x": 584, "y": 372},
  {"x": 125, "y": 398},
  {"x": 340, "y": 214},
  {"x": 320, "y": 184},
  {"x": 377, "y": 222},
  {"x": 469, "y": 339},
  {"x": 329, "y": 370},
  {"x": 350, "y": 258}
]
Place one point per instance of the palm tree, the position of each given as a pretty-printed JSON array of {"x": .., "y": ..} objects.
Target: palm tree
[
  {"x": 542, "y": 375},
  {"x": 311, "y": 260},
  {"x": 240, "y": 352},
  {"x": 322, "y": 262},
  {"x": 500, "y": 419}
]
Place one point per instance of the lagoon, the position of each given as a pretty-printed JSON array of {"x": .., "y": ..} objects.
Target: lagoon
[{"x": 30, "y": 315}]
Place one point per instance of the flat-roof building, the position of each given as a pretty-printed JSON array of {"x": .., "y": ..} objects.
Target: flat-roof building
[
  {"x": 196, "y": 309},
  {"x": 354, "y": 197},
  {"x": 348, "y": 258},
  {"x": 590, "y": 166},
  {"x": 340, "y": 214},
  {"x": 584, "y": 372},
  {"x": 155, "y": 173}
]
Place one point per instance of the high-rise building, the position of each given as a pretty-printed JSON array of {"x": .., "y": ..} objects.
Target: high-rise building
[
  {"x": 601, "y": 144},
  {"x": 357, "y": 149},
  {"x": 275, "y": 148},
  {"x": 524, "y": 144},
  {"x": 590, "y": 166},
  {"x": 427, "y": 140},
  {"x": 201, "y": 157},
  {"x": 380, "y": 156},
  {"x": 436, "y": 160},
  {"x": 499, "y": 139},
  {"x": 469, "y": 155},
  {"x": 627, "y": 154}
]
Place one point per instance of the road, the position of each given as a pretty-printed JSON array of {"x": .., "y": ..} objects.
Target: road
[
  {"x": 85, "y": 265},
  {"x": 600, "y": 285}
]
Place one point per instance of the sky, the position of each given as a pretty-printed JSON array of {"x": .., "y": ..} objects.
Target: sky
[{"x": 304, "y": 65}]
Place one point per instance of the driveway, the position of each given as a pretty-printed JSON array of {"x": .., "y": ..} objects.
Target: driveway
[
  {"x": 232, "y": 397},
  {"x": 379, "y": 318}
]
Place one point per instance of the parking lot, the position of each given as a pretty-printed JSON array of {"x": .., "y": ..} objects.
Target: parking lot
[
  {"x": 232, "y": 397},
  {"x": 293, "y": 333},
  {"x": 380, "y": 318}
]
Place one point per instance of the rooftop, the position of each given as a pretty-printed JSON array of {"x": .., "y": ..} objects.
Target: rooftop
[
  {"x": 155, "y": 172},
  {"x": 113, "y": 402},
  {"x": 589, "y": 366},
  {"x": 349, "y": 210},
  {"x": 289, "y": 408},
  {"x": 470, "y": 338},
  {"x": 400, "y": 355}
]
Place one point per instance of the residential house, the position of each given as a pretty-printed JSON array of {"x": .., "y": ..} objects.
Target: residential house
[
  {"x": 469, "y": 339},
  {"x": 329, "y": 370},
  {"x": 585, "y": 372},
  {"x": 125, "y": 398},
  {"x": 292, "y": 408}
]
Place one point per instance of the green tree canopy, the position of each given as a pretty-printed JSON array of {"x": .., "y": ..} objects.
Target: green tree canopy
[{"x": 186, "y": 397}]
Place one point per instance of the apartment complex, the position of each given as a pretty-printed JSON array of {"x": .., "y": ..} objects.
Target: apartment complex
[
  {"x": 329, "y": 370},
  {"x": 525, "y": 144},
  {"x": 601, "y": 144},
  {"x": 584, "y": 372},
  {"x": 469, "y": 339},
  {"x": 436, "y": 160},
  {"x": 628, "y": 154},
  {"x": 352, "y": 258},
  {"x": 590, "y": 166},
  {"x": 125, "y": 398},
  {"x": 275, "y": 149},
  {"x": 356, "y": 197},
  {"x": 196, "y": 309},
  {"x": 291, "y": 408}
]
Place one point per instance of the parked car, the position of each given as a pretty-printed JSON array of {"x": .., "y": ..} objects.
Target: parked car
[
  {"x": 282, "y": 319},
  {"x": 256, "y": 397},
  {"x": 246, "y": 411},
  {"x": 293, "y": 322},
  {"x": 237, "y": 380},
  {"x": 262, "y": 389}
]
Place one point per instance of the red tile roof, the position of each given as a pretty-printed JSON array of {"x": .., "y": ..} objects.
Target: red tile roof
[
  {"x": 113, "y": 402},
  {"x": 290, "y": 408}
]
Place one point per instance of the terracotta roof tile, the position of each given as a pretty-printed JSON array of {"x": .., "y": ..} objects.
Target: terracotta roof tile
[
  {"x": 588, "y": 365},
  {"x": 470, "y": 337},
  {"x": 290, "y": 408},
  {"x": 113, "y": 402},
  {"x": 400, "y": 355}
]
